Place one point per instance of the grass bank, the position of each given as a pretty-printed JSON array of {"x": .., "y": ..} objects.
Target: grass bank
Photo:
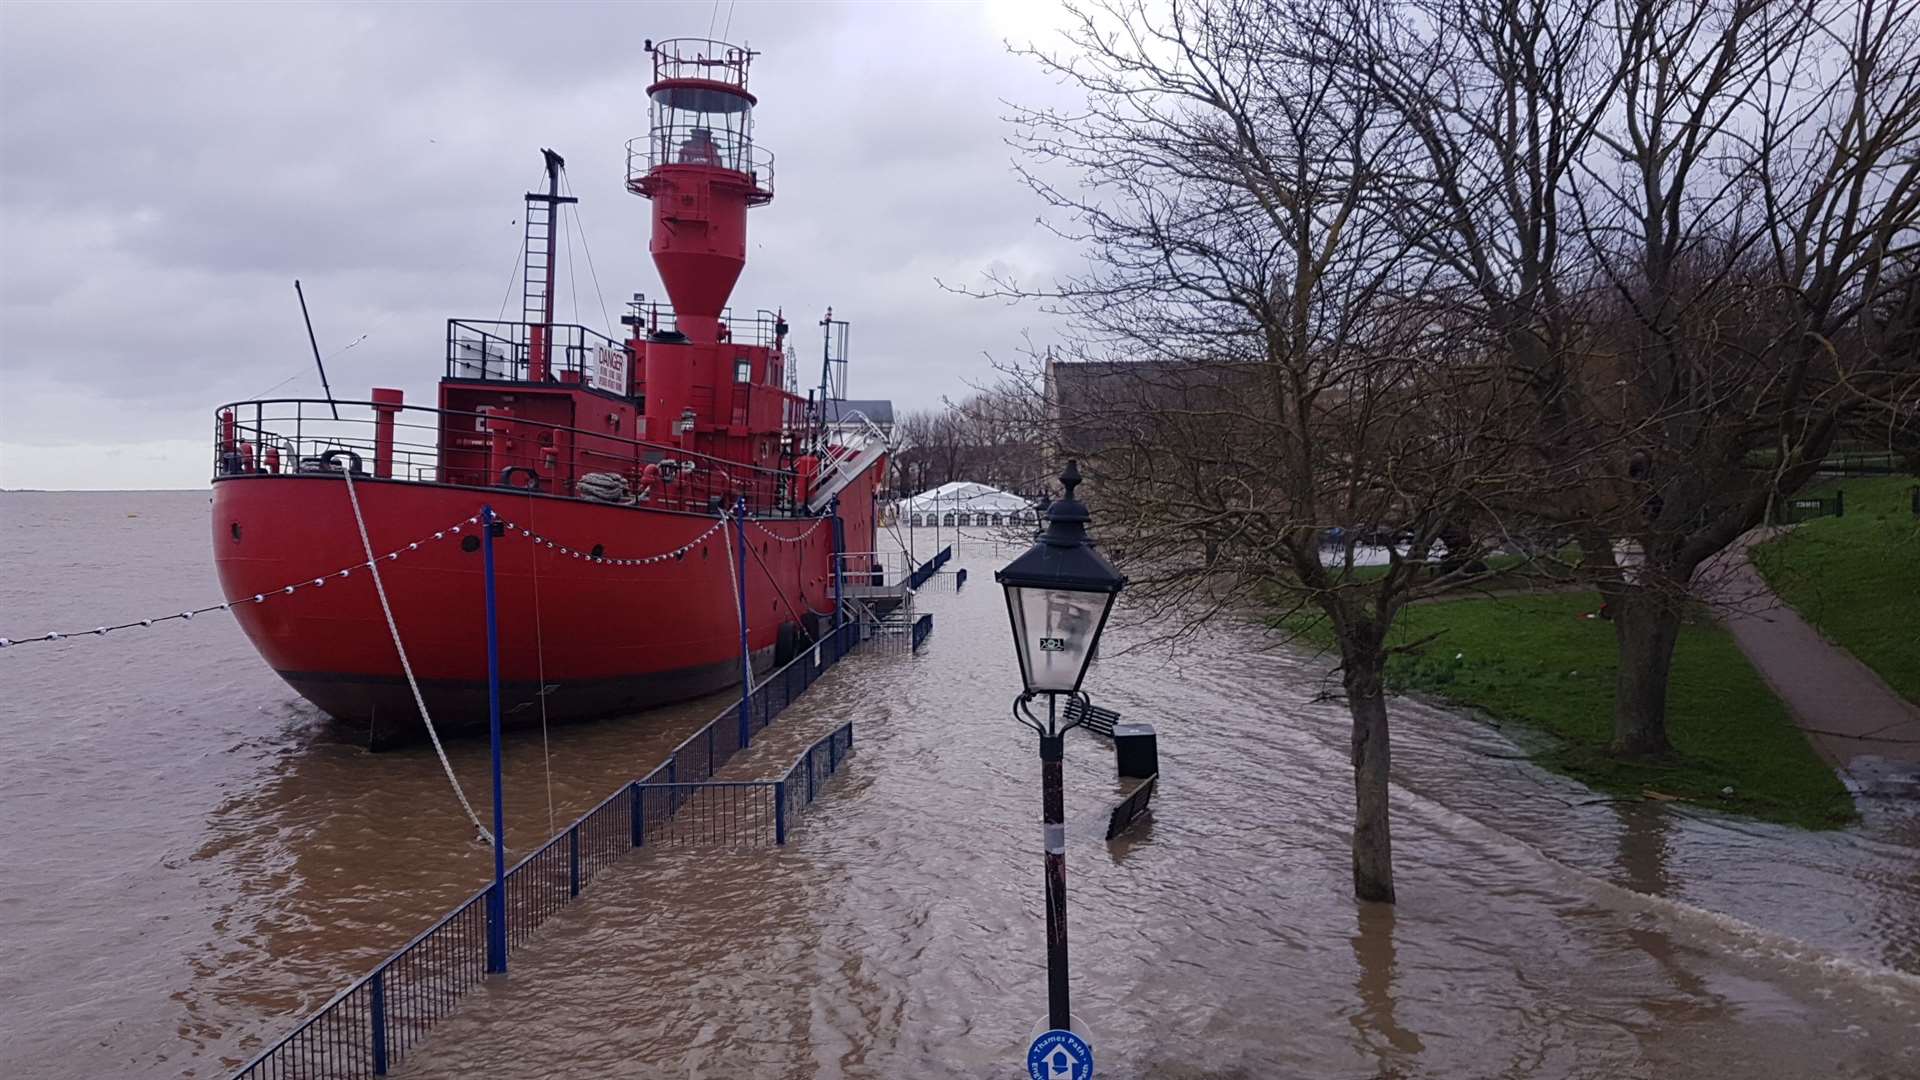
[
  {"x": 1536, "y": 662},
  {"x": 1857, "y": 578}
]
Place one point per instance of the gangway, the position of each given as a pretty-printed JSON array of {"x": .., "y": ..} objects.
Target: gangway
[{"x": 845, "y": 469}]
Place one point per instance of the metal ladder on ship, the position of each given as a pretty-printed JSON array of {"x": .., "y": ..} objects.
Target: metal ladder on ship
[{"x": 543, "y": 213}]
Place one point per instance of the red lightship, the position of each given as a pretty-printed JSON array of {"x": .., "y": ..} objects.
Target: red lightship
[{"x": 620, "y": 456}]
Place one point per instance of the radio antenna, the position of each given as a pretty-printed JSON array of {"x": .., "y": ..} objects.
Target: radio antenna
[{"x": 317, "y": 362}]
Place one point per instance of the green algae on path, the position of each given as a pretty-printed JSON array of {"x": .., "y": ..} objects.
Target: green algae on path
[
  {"x": 1539, "y": 663},
  {"x": 1856, "y": 578}
]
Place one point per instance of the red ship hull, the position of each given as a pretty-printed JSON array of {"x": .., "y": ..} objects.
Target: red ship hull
[{"x": 600, "y": 638}]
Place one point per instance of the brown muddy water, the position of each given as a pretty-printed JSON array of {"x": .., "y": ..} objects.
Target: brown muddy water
[{"x": 190, "y": 862}]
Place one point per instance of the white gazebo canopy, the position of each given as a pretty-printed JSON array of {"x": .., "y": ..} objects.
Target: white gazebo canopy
[{"x": 966, "y": 503}]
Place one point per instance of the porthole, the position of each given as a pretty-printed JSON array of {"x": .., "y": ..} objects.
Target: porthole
[{"x": 470, "y": 544}]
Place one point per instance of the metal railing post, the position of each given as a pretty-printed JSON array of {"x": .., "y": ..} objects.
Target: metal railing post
[
  {"x": 573, "y": 861},
  {"x": 640, "y": 815},
  {"x": 378, "y": 987},
  {"x": 780, "y": 812},
  {"x": 810, "y": 792}
]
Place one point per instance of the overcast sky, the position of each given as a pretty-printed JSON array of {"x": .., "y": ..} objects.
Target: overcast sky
[{"x": 167, "y": 171}]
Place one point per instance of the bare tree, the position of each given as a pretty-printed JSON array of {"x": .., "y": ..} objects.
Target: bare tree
[
  {"x": 990, "y": 437},
  {"x": 1671, "y": 213},
  {"x": 1258, "y": 366}
]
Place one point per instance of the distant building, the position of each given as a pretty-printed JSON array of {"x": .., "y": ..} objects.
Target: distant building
[{"x": 1114, "y": 416}]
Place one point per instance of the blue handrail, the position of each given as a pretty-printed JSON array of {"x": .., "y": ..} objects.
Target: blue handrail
[{"x": 369, "y": 1027}]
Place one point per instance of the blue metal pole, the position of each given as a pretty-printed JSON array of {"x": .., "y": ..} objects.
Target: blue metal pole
[
  {"x": 497, "y": 897},
  {"x": 780, "y": 812},
  {"x": 746, "y": 653},
  {"x": 378, "y": 999},
  {"x": 573, "y": 861},
  {"x": 639, "y": 816}
]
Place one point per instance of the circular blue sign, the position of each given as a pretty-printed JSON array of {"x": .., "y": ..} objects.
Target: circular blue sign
[{"x": 1059, "y": 1055}]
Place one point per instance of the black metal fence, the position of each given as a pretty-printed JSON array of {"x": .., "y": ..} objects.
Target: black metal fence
[
  {"x": 1863, "y": 463},
  {"x": 370, "y": 1027}
]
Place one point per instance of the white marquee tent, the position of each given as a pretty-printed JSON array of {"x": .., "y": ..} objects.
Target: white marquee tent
[{"x": 964, "y": 503}]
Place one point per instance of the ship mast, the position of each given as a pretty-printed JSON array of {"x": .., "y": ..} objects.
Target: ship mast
[{"x": 543, "y": 217}]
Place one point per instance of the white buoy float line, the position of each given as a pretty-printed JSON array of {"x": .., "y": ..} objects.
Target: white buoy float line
[
  {"x": 755, "y": 522},
  {"x": 561, "y": 549},
  {"x": 256, "y": 598}
]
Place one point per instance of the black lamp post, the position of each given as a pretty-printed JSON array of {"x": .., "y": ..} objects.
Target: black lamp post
[{"x": 1059, "y": 593}]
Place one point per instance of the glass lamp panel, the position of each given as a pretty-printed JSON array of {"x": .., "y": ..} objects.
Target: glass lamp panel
[{"x": 1054, "y": 631}]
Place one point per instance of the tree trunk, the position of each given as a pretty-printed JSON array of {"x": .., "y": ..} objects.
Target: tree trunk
[
  {"x": 1646, "y": 627},
  {"x": 1372, "y": 833}
]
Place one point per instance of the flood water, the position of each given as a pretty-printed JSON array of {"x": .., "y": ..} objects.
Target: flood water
[{"x": 190, "y": 862}]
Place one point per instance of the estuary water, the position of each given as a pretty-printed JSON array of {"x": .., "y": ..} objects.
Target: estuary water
[{"x": 191, "y": 861}]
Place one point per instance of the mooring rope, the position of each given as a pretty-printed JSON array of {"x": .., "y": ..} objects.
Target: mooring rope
[
  {"x": 540, "y": 658},
  {"x": 386, "y": 609}
]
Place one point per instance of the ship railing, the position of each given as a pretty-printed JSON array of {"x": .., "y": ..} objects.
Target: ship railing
[
  {"x": 701, "y": 58},
  {"x": 492, "y": 350},
  {"x": 687, "y": 139},
  {"x": 371, "y": 1027},
  {"x": 303, "y": 436},
  {"x": 874, "y": 568},
  {"x": 652, "y": 316}
]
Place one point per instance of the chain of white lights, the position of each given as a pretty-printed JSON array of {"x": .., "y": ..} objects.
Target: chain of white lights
[
  {"x": 610, "y": 560},
  {"x": 787, "y": 539},
  {"x": 538, "y": 539},
  {"x": 256, "y": 598}
]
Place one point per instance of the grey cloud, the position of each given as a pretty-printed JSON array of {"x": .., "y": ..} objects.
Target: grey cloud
[{"x": 166, "y": 171}]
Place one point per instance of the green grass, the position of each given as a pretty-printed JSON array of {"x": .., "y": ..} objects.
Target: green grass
[
  {"x": 1535, "y": 662},
  {"x": 1857, "y": 578}
]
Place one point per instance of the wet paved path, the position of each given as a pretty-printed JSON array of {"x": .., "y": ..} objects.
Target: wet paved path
[{"x": 1846, "y": 709}]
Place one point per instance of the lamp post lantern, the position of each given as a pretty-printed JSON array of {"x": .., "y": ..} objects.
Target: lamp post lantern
[{"x": 1059, "y": 593}]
